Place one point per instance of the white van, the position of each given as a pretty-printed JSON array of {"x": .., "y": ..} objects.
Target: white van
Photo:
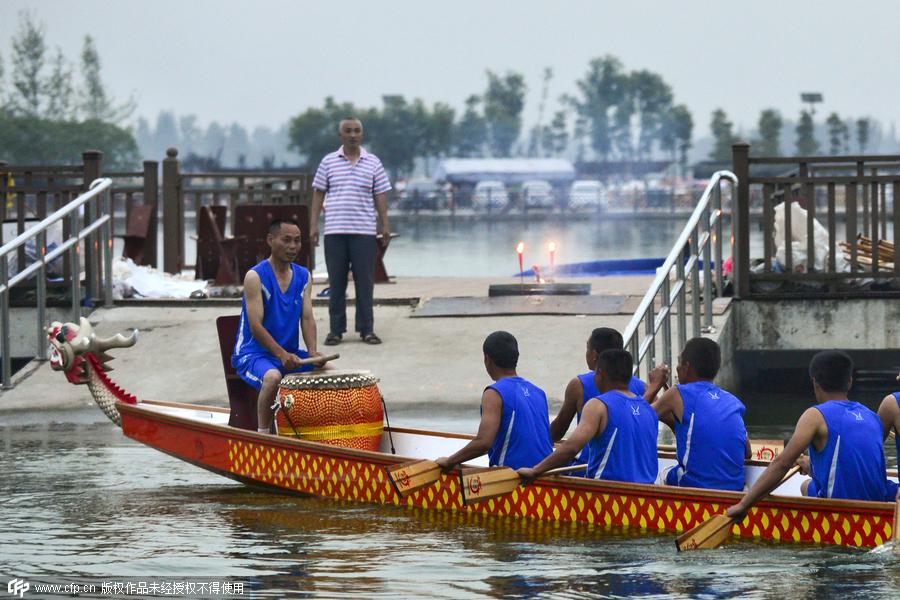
[
  {"x": 588, "y": 194},
  {"x": 538, "y": 193},
  {"x": 490, "y": 193}
]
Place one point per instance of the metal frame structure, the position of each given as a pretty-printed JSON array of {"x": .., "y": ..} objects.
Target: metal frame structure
[
  {"x": 702, "y": 233},
  {"x": 97, "y": 235}
]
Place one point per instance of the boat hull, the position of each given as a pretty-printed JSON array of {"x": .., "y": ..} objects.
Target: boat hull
[{"x": 359, "y": 476}]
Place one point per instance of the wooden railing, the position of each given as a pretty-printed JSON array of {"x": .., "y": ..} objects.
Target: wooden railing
[{"x": 849, "y": 196}]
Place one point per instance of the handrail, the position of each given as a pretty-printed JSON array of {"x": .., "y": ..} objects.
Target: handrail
[
  {"x": 99, "y": 226},
  {"x": 707, "y": 214}
]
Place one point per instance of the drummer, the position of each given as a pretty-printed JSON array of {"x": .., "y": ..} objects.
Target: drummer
[
  {"x": 276, "y": 309},
  {"x": 845, "y": 439},
  {"x": 515, "y": 423}
]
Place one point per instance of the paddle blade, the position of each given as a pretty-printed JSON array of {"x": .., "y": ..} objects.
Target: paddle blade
[
  {"x": 413, "y": 475},
  {"x": 483, "y": 483},
  {"x": 895, "y": 536},
  {"x": 709, "y": 534}
]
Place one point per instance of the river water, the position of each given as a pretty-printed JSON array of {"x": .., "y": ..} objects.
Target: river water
[{"x": 81, "y": 503}]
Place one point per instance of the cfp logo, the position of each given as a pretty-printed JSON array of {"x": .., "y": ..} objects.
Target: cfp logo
[
  {"x": 17, "y": 587},
  {"x": 475, "y": 485}
]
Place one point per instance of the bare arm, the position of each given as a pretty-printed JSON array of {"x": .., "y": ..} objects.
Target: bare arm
[
  {"x": 748, "y": 451},
  {"x": 255, "y": 312},
  {"x": 560, "y": 425},
  {"x": 593, "y": 422},
  {"x": 381, "y": 207},
  {"x": 308, "y": 321},
  {"x": 889, "y": 413},
  {"x": 491, "y": 414},
  {"x": 318, "y": 200},
  {"x": 810, "y": 425},
  {"x": 658, "y": 379},
  {"x": 669, "y": 407}
]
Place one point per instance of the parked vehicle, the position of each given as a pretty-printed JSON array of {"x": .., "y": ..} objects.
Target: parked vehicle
[
  {"x": 490, "y": 194},
  {"x": 588, "y": 194},
  {"x": 422, "y": 194},
  {"x": 538, "y": 193}
]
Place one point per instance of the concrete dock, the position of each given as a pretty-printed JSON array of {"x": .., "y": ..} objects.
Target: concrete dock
[{"x": 422, "y": 362}]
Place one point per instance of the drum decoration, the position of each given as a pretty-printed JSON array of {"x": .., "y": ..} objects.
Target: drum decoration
[{"x": 340, "y": 408}]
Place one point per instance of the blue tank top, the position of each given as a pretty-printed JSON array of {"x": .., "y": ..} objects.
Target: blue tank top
[
  {"x": 281, "y": 314},
  {"x": 710, "y": 439},
  {"x": 897, "y": 433},
  {"x": 626, "y": 450},
  {"x": 589, "y": 385},
  {"x": 523, "y": 438},
  {"x": 851, "y": 466}
]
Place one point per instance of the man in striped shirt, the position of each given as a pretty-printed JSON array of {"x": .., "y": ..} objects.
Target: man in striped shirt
[{"x": 352, "y": 185}]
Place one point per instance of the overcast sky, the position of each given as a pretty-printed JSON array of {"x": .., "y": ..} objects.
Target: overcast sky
[{"x": 262, "y": 62}]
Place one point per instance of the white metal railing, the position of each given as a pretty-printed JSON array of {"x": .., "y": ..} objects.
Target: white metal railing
[
  {"x": 98, "y": 234},
  {"x": 702, "y": 233}
]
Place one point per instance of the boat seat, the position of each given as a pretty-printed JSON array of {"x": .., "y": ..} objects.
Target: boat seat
[
  {"x": 137, "y": 229},
  {"x": 241, "y": 397}
]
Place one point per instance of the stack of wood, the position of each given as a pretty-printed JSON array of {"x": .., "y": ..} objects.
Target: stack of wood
[{"x": 865, "y": 252}]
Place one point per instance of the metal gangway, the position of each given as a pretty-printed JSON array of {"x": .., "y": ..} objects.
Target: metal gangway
[
  {"x": 699, "y": 247},
  {"x": 90, "y": 224}
]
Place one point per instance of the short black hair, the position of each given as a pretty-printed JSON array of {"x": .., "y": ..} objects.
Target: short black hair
[
  {"x": 606, "y": 338},
  {"x": 617, "y": 364},
  {"x": 832, "y": 370},
  {"x": 275, "y": 225},
  {"x": 502, "y": 348},
  {"x": 704, "y": 355}
]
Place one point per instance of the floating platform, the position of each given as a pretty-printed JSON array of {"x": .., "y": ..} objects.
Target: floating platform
[{"x": 539, "y": 289}]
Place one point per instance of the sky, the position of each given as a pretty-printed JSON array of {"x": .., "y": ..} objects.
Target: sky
[{"x": 262, "y": 62}]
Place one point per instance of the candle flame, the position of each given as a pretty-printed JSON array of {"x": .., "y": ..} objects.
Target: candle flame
[
  {"x": 551, "y": 246},
  {"x": 520, "y": 248}
]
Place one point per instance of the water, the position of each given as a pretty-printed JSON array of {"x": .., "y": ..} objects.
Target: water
[{"x": 81, "y": 500}]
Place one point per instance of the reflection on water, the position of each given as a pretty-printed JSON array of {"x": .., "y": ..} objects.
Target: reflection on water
[{"x": 79, "y": 499}]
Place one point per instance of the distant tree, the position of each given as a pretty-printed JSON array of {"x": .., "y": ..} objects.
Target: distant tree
[
  {"x": 504, "y": 100},
  {"x": 314, "y": 133},
  {"x": 836, "y": 133},
  {"x": 862, "y": 134},
  {"x": 848, "y": 126},
  {"x": 60, "y": 92},
  {"x": 806, "y": 139},
  {"x": 554, "y": 137},
  {"x": 166, "y": 132},
  {"x": 723, "y": 137},
  {"x": 601, "y": 89},
  {"x": 769, "y": 126},
  {"x": 237, "y": 146},
  {"x": 213, "y": 141},
  {"x": 470, "y": 133},
  {"x": 653, "y": 101},
  {"x": 28, "y": 48},
  {"x": 676, "y": 131},
  {"x": 96, "y": 103},
  {"x": 34, "y": 140},
  {"x": 439, "y": 133}
]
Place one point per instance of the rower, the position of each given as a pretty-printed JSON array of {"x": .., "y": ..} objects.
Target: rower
[
  {"x": 515, "y": 424},
  {"x": 710, "y": 437},
  {"x": 889, "y": 413},
  {"x": 619, "y": 426},
  {"x": 582, "y": 387},
  {"x": 846, "y": 455}
]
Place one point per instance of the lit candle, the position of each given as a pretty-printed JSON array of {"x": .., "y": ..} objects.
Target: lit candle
[
  {"x": 520, "y": 250},
  {"x": 552, "y": 247}
]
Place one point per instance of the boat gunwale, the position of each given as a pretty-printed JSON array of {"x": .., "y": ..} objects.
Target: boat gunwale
[{"x": 649, "y": 491}]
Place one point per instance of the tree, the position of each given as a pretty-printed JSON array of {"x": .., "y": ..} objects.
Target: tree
[
  {"x": 862, "y": 134},
  {"x": 601, "y": 89},
  {"x": 676, "y": 130},
  {"x": 652, "y": 101},
  {"x": 504, "y": 100},
  {"x": 34, "y": 140},
  {"x": 314, "y": 133},
  {"x": 769, "y": 126},
  {"x": 95, "y": 102},
  {"x": 60, "y": 91},
  {"x": 836, "y": 133},
  {"x": 554, "y": 137},
  {"x": 722, "y": 136},
  {"x": 28, "y": 50},
  {"x": 470, "y": 133},
  {"x": 806, "y": 139}
]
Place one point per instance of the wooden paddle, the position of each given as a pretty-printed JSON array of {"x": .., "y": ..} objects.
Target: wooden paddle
[
  {"x": 895, "y": 535},
  {"x": 715, "y": 530},
  {"x": 413, "y": 475},
  {"x": 483, "y": 483},
  {"x": 318, "y": 359}
]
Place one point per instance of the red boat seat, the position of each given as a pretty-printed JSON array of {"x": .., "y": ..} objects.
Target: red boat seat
[{"x": 241, "y": 397}]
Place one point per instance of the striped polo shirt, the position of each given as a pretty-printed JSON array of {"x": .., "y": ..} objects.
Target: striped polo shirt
[{"x": 350, "y": 191}]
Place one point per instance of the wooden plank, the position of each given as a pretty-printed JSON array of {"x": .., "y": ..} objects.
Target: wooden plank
[
  {"x": 875, "y": 216},
  {"x": 707, "y": 535},
  {"x": 483, "y": 483},
  {"x": 414, "y": 475},
  {"x": 850, "y": 217},
  {"x": 832, "y": 233}
]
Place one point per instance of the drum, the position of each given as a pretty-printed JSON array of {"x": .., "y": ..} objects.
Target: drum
[{"x": 341, "y": 408}]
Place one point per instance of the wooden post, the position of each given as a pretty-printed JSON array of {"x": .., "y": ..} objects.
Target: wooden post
[
  {"x": 173, "y": 214},
  {"x": 740, "y": 154},
  {"x": 93, "y": 167},
  {"x": 151, "y": 197}
]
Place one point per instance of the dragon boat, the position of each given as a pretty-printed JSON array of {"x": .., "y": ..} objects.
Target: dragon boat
[{"x": 202, "y": 436}]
